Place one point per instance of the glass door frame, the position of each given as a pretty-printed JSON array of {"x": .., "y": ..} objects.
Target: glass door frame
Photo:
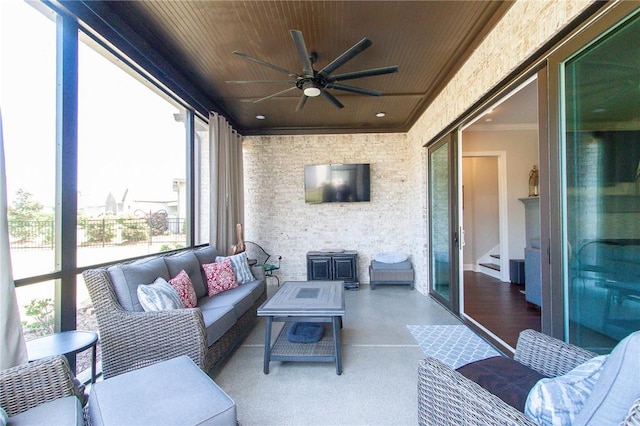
[
  {"x": 453, "y": 303},
  {"x": 555, "y": 295}
]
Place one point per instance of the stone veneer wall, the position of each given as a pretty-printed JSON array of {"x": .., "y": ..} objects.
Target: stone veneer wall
[
  {"x": 277, "y": 217},
  {"x": 396, "y": 219}
]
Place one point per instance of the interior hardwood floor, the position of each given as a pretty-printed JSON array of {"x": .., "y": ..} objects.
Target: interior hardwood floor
[{"x": 500, "y": 307}]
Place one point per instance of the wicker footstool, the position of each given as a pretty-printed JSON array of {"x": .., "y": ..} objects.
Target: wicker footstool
[{"x": 400, "y": 273}]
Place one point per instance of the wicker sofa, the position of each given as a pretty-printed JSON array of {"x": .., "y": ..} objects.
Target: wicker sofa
[
  {"x": 41, "y": 392},
  {"x": 446, "y": 397},
  {"x": 131, "y": 338}
]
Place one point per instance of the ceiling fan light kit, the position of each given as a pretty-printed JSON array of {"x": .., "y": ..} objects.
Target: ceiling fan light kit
[
  {"x": 310, "y": 89},
  {"x": 314, "y": 83}
]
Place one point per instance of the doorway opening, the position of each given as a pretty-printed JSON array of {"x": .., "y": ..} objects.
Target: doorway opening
[{"x": 497, "y": 152}]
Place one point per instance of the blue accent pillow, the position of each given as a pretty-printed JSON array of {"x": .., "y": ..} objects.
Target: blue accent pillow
[
  {"x": 557, "y": 400},
  {"x": 240, "y": 266}
]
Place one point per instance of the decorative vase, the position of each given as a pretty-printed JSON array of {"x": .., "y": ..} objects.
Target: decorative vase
[{"x": 534, "y": 188}]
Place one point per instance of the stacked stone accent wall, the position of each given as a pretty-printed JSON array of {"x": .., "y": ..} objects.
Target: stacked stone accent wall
[{"x": 278, "y": 218}]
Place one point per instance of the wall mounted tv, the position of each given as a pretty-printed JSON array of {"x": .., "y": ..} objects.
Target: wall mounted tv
[{"x": 337, "y": 183}]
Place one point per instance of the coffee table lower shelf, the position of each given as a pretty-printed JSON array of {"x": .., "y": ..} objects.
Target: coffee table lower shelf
[{"x": 322, "y": 350}]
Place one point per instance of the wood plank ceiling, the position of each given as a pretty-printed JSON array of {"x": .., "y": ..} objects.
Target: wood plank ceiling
[{"x": 427, "y": 40}]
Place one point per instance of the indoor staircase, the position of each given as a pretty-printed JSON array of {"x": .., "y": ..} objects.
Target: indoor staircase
[{"x": 494, "y": 266}]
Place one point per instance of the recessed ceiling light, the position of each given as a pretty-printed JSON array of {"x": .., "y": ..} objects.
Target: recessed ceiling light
[
  {"x": 260, "y": 117},
  {"x": 488, "y": 119},
  {"x": 380, "y": 114}
]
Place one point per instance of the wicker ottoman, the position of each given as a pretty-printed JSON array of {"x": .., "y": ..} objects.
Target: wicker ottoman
[
  {"x": 400, "y": 273},
  {"x": 167, "y": 393}
]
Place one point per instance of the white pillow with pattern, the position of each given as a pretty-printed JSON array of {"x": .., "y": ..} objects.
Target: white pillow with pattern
[
  {"x": 240, "y": 266},
  {"x": 159, "y": 296},
  {"x": 557, "y": 400}
]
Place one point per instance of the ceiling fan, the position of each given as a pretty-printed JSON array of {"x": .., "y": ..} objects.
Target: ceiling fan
[{"x": 314, "y": 83}]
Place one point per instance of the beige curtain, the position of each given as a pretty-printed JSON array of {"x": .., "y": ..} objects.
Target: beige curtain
[
  {"x": 227, "y": 188},
  {"x": 13, "y": 350}
]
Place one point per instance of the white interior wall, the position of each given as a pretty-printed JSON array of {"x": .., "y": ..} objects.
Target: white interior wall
[
  {"x": 521, "y": 147},
  {"x": 481, "y": 207}
]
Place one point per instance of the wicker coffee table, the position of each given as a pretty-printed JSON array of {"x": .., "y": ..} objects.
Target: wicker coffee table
[{"x": 305, "y": 301}]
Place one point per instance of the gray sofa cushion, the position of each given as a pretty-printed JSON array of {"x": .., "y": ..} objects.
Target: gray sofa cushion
[
  {"x": 205, "y": 255},
  {"x": 217, "y": 321},
  {"x": 61, "y": 411},
  {"x": 167, "y": 393},
  {"x": 258, "y": 287},
  {"x": 127, "y": 277},
  {"x": 241, "y": 298},
  {"x": 189, "y": 262}
]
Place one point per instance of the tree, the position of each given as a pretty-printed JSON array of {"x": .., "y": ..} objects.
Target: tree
[
  {"x": 22, "y": 214},
  {"x": 24, "y": 207},
  {"x": 41, "y": 311}
]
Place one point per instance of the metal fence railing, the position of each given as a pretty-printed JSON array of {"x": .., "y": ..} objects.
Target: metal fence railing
[{"x": 102, "y": 232}]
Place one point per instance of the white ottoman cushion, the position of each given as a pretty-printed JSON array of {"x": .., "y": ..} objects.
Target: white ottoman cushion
[{"x": 391, "y": 257}]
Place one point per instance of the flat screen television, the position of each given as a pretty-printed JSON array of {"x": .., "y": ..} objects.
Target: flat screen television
[{"x": 337, "y": 183}]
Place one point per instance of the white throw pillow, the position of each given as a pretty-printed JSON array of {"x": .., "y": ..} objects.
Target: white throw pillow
[
  {"x": 557, "y": 400},
  {"x": 240, "y": 266},
  {"x": 159, "y": 296}
]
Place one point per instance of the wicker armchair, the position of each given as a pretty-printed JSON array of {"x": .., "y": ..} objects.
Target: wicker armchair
[
  {"x": 446, "y": 397},
  {"x": 29, "y": 385}
]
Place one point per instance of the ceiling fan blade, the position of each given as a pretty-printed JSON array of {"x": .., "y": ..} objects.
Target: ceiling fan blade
[
  {"x": 365, "y": 73},
  {"x": 303, "y": 53},
  {"x": 266, "y": 64},
  {"x": 259, "y": 81},
  {"x": 346, "y": 56},
  {"x": 332, "y": 99},
  {"x": 275, "y": 94},
  {"x": 354, "y": 89},
  {"x": 303, "y": 100}
]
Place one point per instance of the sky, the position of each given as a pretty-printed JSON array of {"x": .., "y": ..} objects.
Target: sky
[{"x": 127, "y": 135}]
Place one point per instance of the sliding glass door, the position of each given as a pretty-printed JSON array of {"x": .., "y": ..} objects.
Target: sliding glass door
[
  {"x": 600, "y": 194},
  {"x": 443, "y": 222}
]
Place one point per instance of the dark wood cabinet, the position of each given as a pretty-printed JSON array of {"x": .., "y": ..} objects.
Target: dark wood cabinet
[{"x": 333, "y": 266}]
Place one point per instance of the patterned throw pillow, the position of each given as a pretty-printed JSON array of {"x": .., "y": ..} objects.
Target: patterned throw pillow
[
  {"x": 240, "y": 266},
  {"x": 220, "y": 276},
  {"x": 183, "y": 285},
  {"x": 557, "y": 400},
  {"x": 159, "y": 296}
]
